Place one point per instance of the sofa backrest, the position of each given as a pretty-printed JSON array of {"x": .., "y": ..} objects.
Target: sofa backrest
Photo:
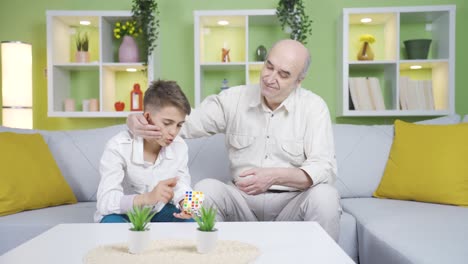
[
  {"x": 78, "y": 154},
  {"x": 361, "y": 152}
]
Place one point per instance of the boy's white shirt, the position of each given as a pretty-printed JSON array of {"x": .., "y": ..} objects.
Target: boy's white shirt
[{"x": 125, "y": 173}]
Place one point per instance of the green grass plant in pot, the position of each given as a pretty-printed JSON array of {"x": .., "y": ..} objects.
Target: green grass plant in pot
[
  {"x": 139, "y": 235},
  {"x": 82, "y": 47},
  {"x": 207, "y": 234}
]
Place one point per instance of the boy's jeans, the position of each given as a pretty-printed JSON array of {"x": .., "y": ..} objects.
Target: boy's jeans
[{"x": 165, "y": 215}]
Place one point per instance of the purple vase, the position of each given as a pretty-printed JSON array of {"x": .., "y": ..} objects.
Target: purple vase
[{"x": 128, "y": 50}]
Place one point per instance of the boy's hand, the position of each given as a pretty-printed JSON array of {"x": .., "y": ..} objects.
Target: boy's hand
[
  {"x": 182, "y": 214},
  {"x": 139, "y": 126},
  {"x": 163, "y": 192}
]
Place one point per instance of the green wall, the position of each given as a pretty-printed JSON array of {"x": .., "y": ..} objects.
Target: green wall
[{"x": 25, "y": 20}]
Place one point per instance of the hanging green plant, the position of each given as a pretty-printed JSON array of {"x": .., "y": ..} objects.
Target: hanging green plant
[
  {"x": 145, "y": 14},
  {"x": 292, "y": 16}
]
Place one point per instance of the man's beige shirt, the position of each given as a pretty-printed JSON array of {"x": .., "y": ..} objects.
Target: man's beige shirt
[{"x": 298, "y": 134}]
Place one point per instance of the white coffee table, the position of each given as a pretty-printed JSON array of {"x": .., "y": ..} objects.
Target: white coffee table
[{"x": 279, "y": 242}]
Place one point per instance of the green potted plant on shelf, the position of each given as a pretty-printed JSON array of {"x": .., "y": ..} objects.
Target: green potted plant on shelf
[
  {"x": 293, "y": 19},
  {"x": 144, "y": 13},
  {"x": 139, "y": 236},
  {"x": 207, "y": 235},
  {"x": 82, "y": 47}
]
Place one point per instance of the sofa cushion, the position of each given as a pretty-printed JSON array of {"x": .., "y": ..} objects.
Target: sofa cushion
[
  {"x": 465, "y": 119},
  {"x": 427, "y": 163},
  {"x": 18, "y": 228},
  {"x": 362, "y": 153},
  {"x": 30, "y": 177},
  {"x": 348, "y": 236},
  {"x": 78, "y": 155},
  {"x": 393, "y": 231}
]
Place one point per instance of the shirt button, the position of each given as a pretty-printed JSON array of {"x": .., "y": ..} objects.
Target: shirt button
[
  {"x": 266, "y": 156},
  {"x": 268, "y": 136},
  {"x": 272, "y": 115}
]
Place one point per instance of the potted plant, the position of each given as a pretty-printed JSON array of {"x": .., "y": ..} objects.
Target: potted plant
[
  {"x": 207, "y": 235},
  {"x": 127, "y": 31},
  {"x": 145, "y": 13},
  {"x": 293, "y": 19},
  {"x": 139, "y": 236},
  {"x": 82, "y": 46}
]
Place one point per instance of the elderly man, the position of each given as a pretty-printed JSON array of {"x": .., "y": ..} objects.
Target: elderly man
[{"x": 280, "y": 143}]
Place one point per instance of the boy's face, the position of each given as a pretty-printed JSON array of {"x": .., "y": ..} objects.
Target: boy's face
[{"x": 169, "y": 119}]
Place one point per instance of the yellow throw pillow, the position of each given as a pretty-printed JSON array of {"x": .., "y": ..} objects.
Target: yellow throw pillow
[
  {"x": 30, "y": 177},
  {"x": 427, "y": 163}
]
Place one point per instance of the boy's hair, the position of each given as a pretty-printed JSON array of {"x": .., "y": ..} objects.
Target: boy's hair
[{"x": 163, "y": 93}]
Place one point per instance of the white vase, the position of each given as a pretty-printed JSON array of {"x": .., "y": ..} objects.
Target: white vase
[
  {"x": 206, "y": 241},
  {"x": 138, "y": 241},
  {"x": 128, "y": 50}
]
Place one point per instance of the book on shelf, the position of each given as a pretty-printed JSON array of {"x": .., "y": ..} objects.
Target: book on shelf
[
  {"x": 365, "y": 93},
  {"x": 416, "y": 94}
]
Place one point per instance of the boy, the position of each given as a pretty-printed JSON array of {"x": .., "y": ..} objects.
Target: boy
[{"x": 140, "y": 172}]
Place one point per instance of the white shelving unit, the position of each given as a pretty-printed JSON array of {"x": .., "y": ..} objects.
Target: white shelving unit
[
  {"x": 103, "y": 77},
  {"x": 391, "y": 26},
  {"x": 247, "y": 29}
]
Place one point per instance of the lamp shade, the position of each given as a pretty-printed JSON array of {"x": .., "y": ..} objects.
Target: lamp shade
[{"x": 16, "y": 84}]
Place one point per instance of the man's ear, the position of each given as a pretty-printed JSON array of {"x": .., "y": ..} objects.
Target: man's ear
[{"x": 299, "y": 81}]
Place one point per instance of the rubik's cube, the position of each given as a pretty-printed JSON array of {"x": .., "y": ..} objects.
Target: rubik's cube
[{"x": 193, "y": 201}]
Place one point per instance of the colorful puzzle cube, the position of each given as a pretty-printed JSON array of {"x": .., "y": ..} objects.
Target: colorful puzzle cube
[{"x": 193, "y": 201}]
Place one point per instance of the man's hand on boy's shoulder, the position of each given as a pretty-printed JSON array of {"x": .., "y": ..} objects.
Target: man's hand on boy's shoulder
[{"x": 139, "y": 126}]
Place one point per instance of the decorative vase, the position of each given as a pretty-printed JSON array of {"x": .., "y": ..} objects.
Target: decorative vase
[
  {"x": 128, "y": 50},
  {"x": 225, "y": 55},
  {"x": 138, "y": 241},
  {"x": 365, "y": 52},
  {"x": 206, "y": 240},
  {"x": 417, "y": 48},
  {"x": 260, "y": 53},
  {"x": 82, "y": 56}
]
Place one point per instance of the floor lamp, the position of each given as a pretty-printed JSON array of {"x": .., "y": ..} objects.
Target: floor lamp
[{"x": 16, "y": 84}]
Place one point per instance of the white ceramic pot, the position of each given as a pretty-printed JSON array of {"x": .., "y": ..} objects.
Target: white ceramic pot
[
  {"x": 206, "y": 240},
  {"x": 138, "y": 241}
]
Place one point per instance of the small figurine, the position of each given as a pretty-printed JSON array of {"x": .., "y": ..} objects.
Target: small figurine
[
  {"x": 225, "y": 55},
  {"x": 224, "y": 85}
]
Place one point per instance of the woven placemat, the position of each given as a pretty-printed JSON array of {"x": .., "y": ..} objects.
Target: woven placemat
[{"x": 174, "y": 251}]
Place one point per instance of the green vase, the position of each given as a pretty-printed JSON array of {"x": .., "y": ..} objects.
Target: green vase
[
  {"x": 260, "y": 53},
  {"x": 417, "y": 48}
]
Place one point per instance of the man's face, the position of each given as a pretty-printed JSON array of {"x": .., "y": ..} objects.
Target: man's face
[
  {"x": 280, "y": 75},
  {"x": 169, "y": 119}
]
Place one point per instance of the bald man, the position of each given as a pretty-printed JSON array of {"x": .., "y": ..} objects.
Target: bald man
[{"x": 280, "y": 143}]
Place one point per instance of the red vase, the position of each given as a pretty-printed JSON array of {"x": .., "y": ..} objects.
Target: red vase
[{"x": 128, "y": 50}]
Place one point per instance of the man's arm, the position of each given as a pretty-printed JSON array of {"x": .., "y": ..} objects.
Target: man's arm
[
  {"x": 207, "y": 119},
  {"x": 259, "y": 180},
  {"x": 319, "y": 147}
]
